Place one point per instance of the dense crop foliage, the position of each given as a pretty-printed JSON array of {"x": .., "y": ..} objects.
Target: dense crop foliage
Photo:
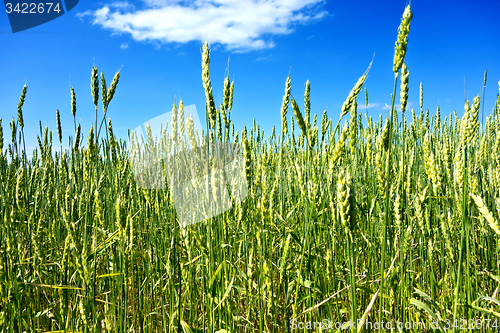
[{"x": 386, "y": 219}]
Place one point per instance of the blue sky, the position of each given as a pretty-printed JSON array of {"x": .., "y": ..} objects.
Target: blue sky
[{"x": 157, "y": 45}]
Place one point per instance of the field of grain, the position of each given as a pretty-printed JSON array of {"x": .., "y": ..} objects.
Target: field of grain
[{"x": 385, "y": 220}]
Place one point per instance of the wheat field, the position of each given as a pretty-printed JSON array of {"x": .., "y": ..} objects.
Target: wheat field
[{"x": 360, "y": 220}]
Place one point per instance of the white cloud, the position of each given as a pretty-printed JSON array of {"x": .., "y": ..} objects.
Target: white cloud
[
  {"x": 370, "y": 105},
  {"x": 239, "y": 25},
  {"x": 264, "y": 58},
  {"x": 158, "y": 3},
  {"x": 83, "y": 14},
  {"x": 397, "y": 106},
  {"x": 123, "y": 5},
  {"x": 124, "y": 46}
]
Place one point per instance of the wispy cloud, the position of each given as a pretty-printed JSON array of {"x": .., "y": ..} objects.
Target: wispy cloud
[
  {"x": 370, "y": 105},
  {"x": 398, "y": 106},
  {"x": 124, "y": 5},
  {"x": 81, "y": 15},
  {"x": 239, "y": 25},
  {"x": 124, "y": 46},
  {"x": 268, "y": 57}
]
